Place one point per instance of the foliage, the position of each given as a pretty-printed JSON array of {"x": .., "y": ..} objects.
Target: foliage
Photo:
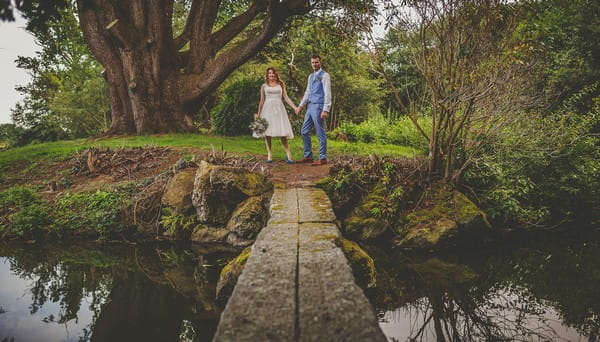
[
  {"x": 174, "y": 222},
  {"x": 380, "y": 130},
  {"x": 565, "y": 37},
  {"x": 473, "y": 84},
  {"x": 67, "y": 95},
  {"x": 235, "y": 112},
  {"x": 23, "y": 212},
  {"x": 36, "y": 12},
  {"x": 101, "y": 211},
  {"x": 543, "y": 169}
]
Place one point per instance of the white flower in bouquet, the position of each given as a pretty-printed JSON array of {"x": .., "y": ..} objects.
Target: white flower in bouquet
[{"x": 258, "y": 127}]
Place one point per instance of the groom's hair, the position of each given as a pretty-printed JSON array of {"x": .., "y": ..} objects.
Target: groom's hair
[{"x": 316, "y": 57}]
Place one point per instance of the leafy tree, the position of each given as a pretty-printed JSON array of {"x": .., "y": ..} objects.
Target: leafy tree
[
  {"x": 156, "y": 81},
  {"x": 36, "y": 12},
  {"x": 67, "y": 96},
  {"x": 565, "y": 37},
  {"x": 473, "y": 81}
]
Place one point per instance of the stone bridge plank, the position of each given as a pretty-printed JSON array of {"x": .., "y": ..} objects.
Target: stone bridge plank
[
  {"x": 331, "y": 306},
  {"x": 297, "y": 284}
]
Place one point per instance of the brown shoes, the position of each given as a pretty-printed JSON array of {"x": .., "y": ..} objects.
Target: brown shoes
[
  {"x": 319, "y": 162},
  {"x": 306, "y": 160}
]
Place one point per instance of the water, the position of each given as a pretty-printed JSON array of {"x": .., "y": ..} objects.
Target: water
[
  {"x": 539, "y": 289},
  {"x": 109, "y": 293},
  {"x": 544, "y": 288}
]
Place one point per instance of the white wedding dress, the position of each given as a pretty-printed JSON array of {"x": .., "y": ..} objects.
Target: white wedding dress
[{"x": 274, "y": 112}]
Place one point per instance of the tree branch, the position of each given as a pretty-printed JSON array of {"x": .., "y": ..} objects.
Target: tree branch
[
  {"x": 236, "y": 25},
  {"x": 218, "y": 69}
]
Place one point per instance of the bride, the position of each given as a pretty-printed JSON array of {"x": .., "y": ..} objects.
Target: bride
[{"x": 272, "y": 109}]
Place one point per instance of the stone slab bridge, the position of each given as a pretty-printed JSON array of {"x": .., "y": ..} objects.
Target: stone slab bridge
[{"x": 297, "y": 284}]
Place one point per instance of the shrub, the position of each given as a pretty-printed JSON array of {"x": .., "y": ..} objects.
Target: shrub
[
  {"x": 23, "y": 212},
  {"x": 380, "y": 130},
  {"x": 101, "y": 211},
  {"x": 542, "y": 169},
  {"x": 236, "y": 111}
]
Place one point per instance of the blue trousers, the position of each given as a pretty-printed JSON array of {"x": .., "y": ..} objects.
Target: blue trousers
[{"x": 313, "y": 119}]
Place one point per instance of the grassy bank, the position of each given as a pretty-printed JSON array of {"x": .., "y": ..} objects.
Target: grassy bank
[{"x": 238, "y": 145}]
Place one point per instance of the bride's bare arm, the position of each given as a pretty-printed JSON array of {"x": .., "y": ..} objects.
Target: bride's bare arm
[
  {"x": 262, "y": 100},
  {"x": 287, "y": 99}
]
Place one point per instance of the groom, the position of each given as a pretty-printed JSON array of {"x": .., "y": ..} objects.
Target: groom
[{"x": 318, "y": 98}]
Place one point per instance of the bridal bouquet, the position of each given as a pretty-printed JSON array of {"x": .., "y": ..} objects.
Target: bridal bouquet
[{"x": 258, "y": 127}]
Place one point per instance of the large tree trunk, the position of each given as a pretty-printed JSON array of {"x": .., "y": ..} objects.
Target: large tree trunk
[{"x": 155, "y": 87}]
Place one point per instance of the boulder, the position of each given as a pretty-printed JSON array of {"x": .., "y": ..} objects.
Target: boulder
[
  {"x": 362, "y": 264},
  {"x": 230, "y": 274},
  {"x": 218, "y": 190},
  {"x": 206, "y": 233},
  {"x": 178, "y": 193},
  {"x": 448, "y": 214},
  {"x": 362, "y": 223},
  {"x": 249, "y": 218}
]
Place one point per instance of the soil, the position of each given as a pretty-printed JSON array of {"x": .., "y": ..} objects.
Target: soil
[
  {"x": 112, "y": 167},
  {"x": 298, "y": 174}
]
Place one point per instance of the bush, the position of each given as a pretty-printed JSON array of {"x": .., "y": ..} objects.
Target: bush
[
  {"x": 23, "y": 212},
  {"x": 236, "y": 111},
  {"x": 101, "y": 211},
  {"x": 380, "y": 130},
  {"x": 542, "y": 170}
]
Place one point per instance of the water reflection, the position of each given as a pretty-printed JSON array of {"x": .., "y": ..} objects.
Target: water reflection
[
  {"x": 544, "y": 290},
  {"x": 109, "y": 293}
]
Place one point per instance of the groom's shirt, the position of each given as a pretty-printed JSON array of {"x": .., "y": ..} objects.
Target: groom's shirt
[{"x": 318, "y": 90}]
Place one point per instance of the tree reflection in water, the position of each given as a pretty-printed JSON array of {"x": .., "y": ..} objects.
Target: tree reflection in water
[
  {"x": 545, "y": 292},
  {"x": 151, "y": 293}
]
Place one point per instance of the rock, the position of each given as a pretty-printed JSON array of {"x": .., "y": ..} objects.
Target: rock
[
  {"x": 219, "y": 189},
  {"x": 205, "y": 233},
  {"x": 449, "y": 214},
  {"x": 362, "y": 223},
  {"x": 178, "y": 194},
  {"x": 362, "y": 264},
  {"x": 249, "y": 218},
  {"x": 230, "y": 274},
  {"x": 429, "y": 237}
]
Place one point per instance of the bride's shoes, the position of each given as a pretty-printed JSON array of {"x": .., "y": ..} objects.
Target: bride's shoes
[{"x": 289, "y": 161}]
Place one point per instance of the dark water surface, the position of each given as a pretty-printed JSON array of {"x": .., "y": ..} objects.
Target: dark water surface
[
  {"x": 543, "y": 288},
  {"x": 109, "y": 292}
]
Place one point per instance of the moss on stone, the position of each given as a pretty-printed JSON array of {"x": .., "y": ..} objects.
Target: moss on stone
[
  {"x": 331, "y": 237},
  {"x": 363, "y": 223},
  {"x": 448, "y": 212},
  {"x": 362, "y": 264},
  {"x": 230, "y": 274},
  {"x": 237, "y": 263}
]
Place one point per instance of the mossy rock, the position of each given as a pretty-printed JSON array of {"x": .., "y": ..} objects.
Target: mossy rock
[
  {"x": 230, "y": 274},
  {"x": 448, "y": 214},
  {"x": 362, "y": 264},
  {"x": 341, "y": 201},
  {"x": 249, "y": 218},
  {"x": 218, "y": 190},
  {"x": 178, "y": 194},
  {"x": 362, "y": 223},
  {"x": 207, "y": 233}
]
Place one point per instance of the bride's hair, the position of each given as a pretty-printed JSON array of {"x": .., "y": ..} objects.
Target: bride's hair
[{"x": 276, "y": 76}]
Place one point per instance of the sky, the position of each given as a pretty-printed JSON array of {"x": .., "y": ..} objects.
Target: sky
[{"x": 14, "y": 41}]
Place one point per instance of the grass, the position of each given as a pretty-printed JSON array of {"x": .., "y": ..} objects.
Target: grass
[{"x": 236, "y": 145}]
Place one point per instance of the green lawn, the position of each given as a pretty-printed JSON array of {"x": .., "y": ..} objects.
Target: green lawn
[{"x": 233, "y": 145}]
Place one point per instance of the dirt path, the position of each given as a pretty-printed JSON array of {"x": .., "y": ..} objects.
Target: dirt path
[{"x": 297, "y": 175}]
